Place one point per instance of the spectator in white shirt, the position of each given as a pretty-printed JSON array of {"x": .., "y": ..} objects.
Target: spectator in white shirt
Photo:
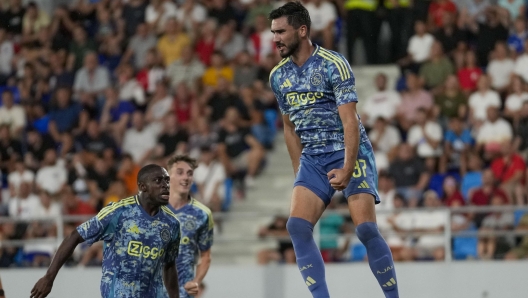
[
  {"x": 52, "y": 176},
  {"x": 191, "y": 14},
  {"x": 493, "y": 133},
  {"x": 20, "y": 175},
  {"x": 91, "y": 78},
  {"x": 129, "y": 87},
  {"x": 481, "y": 99},
  {"x": 7, "y": 52},
  {"x": 420, "y": 44},
  {"x": 323, "y": 16},
  {"x": 12, "y": 114},
  {"x": 25, "y": 204},
  {"x": 385, "y": 139},
  {"x": 139, "y": 140},
  {"x": 521, "y": 64},
  {"x": 157, "y": 14},
  {"x": 516, "y": 99},
  {"x": 210, "y": 178},
  {"x": 426, "y": 136},
  {"x": 139, "y": 45},
  {"x": 383, "y": 103},
  {"x": 500, "y": 67}
]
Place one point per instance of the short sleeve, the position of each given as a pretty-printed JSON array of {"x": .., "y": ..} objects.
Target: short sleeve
[
  {"x": 173, "y": 249},
  {"x": 341, "y": 78},
  {"x": 205, "y": 234},
  {"x": 278, "y": 95},
  {"x": 102, "y": 226}
]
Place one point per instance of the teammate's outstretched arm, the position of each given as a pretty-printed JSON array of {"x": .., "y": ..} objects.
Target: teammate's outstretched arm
[
  {"x": 293, "y": 143},
  {"x": 43, "y": 287},
  {"x": 348, "y": 115}
]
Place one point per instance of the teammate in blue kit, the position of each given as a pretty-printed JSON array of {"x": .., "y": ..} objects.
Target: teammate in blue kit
[
  {"x": 141, "y": 242},
  {"x": 196, "y": 226},
  {"x": 328, "y": 146}
]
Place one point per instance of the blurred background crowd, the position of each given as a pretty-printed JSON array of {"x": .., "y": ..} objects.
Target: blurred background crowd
[{"x": 94, "y": 89}]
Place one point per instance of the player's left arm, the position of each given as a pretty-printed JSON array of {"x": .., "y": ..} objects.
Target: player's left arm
[
  {"x": 170, "y": 271},
  {"x": 343, "y": 84}
]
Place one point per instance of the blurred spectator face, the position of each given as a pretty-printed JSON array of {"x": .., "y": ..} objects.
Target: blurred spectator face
[
  {"x": 7, "y": 99},
  {"x": 103, "y": 15},
  {"x": 63, "y": 97},
  {"x": 142, "y": 30},
  {"x": 222, "y": 85},
  {"x": 449, "y": 186},
  {"x": 493, "y": 114},
  {"x": 24, "y": 190},
  {"x": 381, "y": 82},
  {"x": 519, "y": 25},
  {"x": 101, "y": 166},
  {"x": 206, "y": 155},
  {"x": 202, "y": 125},
  {"x": 170, "y": 122},
  {"x": 217, "y": 60},
  {"x": 244, "y": 59},
  {"x": 219, "y": 3},
  {"x": 506, "y": 148},
  {"x": 93, "y": 129},
  {"x": 384, "y": 183},
  {"x": 411, "y": 80},
  {"x": 261, "y": 23},
  {"x": 483, "y": 83},
  {"x": 405, "y": 152},
  {"x": 501, "y": 50},
  {"x": 137, "y": 120},
  {"x": 488, "y": 179},
  {"x": 421, "y": 117},
  {"x": 496, "y": 201},
  {"x": 32, "y": 11},
  {"x": 187, "y": 54},
  {"x": 475, "y": 163},
  {"x": 470, "y": 59},
  {"x": 517, "y": 84},
  {"x": 399, "y": 201},
  {"x": 15, "y": 3},
  {"x": 90, "y": 61},
  {"x": 2, "y": 34},
  {"x": 209, "y": 27},
  {"x": 231, "y": 115},
  {"x": 524, "y": 109},
  {"x": 456, "y": 125},
  {"x": 436, "y": 50},
  {"x": 126, "y": 73},
  {"x": 45, "y": 199},
  {"x": 182, "y": 92},
  {"x": 431, "y": 199},
  {"x": 419, "y": 28},
  {"x": 4, "y": 132},
  {"x": 79, "y": 35},
  {"x": 150, "y": 59},
  {"x": 171, "y": 26},
  {"x": 50, "y": 157},
  {"x": 68, "y": 197},
  {"x": 111, "y": 96},
  {"x": 451, "y": 82},
  {"x": 246, "y": 93},
  {"x": 448, "y": 19},
  {"x": 380, "y": 124}
]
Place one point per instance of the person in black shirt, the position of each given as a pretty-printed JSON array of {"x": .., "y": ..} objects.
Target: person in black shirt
[
  {"x": 173, "y": 140},
  {"x": 94, "y": 142},
  {"x": 12, "y": 18},
  {"x": 99, "y": 177},
  {"x": 409, "y": 172},
  {"x": 10, "y": 149},
  {"x": 238, "y": 149},
  {"x": 133, "y": 14},
  {"x": 221, "y": 100}
]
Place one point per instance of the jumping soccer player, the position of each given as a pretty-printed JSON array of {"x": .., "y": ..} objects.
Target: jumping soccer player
[
  {"x": 141, "y": 240},
  {"x": 196, "y": 226},
  {"x": 328, "y": 147}
]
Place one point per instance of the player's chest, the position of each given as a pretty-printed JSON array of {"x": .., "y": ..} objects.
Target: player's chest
[
  {"x": 189, "y": 224},
  {"x": 303, "y": 87},
  {"x": 151, "y": 233}
]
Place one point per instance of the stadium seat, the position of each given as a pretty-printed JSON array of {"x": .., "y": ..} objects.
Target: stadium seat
[
  {"x": 465, "y": 247},
  {"x": 358, "y": 252}
]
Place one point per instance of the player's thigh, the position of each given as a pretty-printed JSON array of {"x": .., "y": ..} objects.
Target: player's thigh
[
  {"x": 361, "y": 207},
  {"x": 306, "y": 204}
]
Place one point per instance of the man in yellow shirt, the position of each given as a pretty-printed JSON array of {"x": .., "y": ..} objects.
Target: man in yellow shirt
[{"x": 170, "y": 45}]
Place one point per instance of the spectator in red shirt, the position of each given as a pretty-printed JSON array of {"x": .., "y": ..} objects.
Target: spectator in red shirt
[
  {"x": 205, "y": 46},
  {"x": 468, "y": 76},
  {"x": 437, "y": 9},
  {"x": 452, "y": 196},
  {"x": 75, "y": 206},
  {"x": 482, "y": 196},
  {"x": 509, "y": 172}
]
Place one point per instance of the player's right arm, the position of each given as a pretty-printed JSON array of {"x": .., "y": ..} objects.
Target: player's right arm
[
  {"x": 99, "y": 227},
  {"x": 293, "y": 141},
  {"x": 43, "y": 287}
]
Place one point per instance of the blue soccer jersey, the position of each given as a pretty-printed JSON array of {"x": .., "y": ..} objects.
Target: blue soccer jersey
[
  {"x": 136, "y": 247},
  {"x": 310, "y": 95},
  {"x": 196, "y": 235}
]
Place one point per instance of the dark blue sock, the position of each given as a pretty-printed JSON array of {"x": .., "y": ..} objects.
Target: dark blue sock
[
  {"x": 379, "y": 257},
  {"x": 309, "y": 259}
]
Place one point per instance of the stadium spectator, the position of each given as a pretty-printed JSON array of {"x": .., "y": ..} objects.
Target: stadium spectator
[
  {"x": 414, "y": 98},
  {"x": 518, "y": 36},
  {"x": 261, "y": 41},
  {"x": 491, "y": 247},
  {"x": 116, "y": 115},
  {"x": 362, "y": 22},
  {"x": 436, "y": 70},
  {"x": 129, "y": 88},
  {"x": 324, "y": 16},
  {"x": 52, "y": 175},
  {"x": 140, "y": 139},
  {"x": 385, "y": 139},
  {"x": 451, "y": 195},
  {"x": 91, "y": 78},
  {"x": 520, "y": 251},
  {"x": 408, "y": 171},
  {"x": 19, "y": 175},
  {"x": 419, "y": 48},
  {"x": 469, "y": 74},
  {"x": 152, "y": 72},
  {"x": 127, "y": 173},
  {"x": 481, "y": 99},
  {"x": 172, "y": 140},
  {"x": 521, "y": 132},
  {"x": 425, "y": 136},
  {"x": 245, "y": 70},
  {"x": 12, "y": 114},
  {"x": 382, "y": 103},
  {"x": 157, "y": 14},
  {"x": 457, "y": 144},
  {"x": 500, "y": 68},
  {"x": 172, "y": 42},
  {"x": 210, "y": 178},
  {"x": 24, "y": 204},
  {"x": 493, "y": 133},
  {"x": 139, "y": 46},
  {"x": 187, "y": 69},
  {"x": 450, "y": 102},
  {"x": 515, "y": 100},
  {"x": 284, "y": 252},
  {"x": 521, "y": 64},
  {"x": 509, "y": 170}
]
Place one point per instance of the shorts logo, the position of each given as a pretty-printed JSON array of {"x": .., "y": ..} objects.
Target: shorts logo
[
  {"x": 165, "y": 235},
  {"x": 316, "y": 79},
  {"x": 189, "y": 225}
]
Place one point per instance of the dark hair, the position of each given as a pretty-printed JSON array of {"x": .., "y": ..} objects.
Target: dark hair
[
  {"x": 177, "y": 158},
  {"x": 295, "y": 13},
  {"x": 146, "y": 171}
]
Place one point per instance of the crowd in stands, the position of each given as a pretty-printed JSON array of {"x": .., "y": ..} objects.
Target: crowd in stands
[{"x": 93, "y": 90}]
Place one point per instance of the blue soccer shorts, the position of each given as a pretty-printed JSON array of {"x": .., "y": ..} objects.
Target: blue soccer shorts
[{"x": 314, "y": 168}]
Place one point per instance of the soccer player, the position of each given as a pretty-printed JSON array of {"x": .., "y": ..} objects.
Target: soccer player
[
  {"x": 328, "y": 147},
  {"x": 141, "y": 242},
  {"x": 196, "y": 226}
]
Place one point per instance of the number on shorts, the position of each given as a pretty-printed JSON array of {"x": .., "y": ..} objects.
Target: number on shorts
[{"x": 358, "y": 171}]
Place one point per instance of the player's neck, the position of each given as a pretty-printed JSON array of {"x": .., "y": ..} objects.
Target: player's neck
[
  {"x": 303, "y": 53},
  {"x": 179, "y": 200},
  {"x": 150, "y": 209}
]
